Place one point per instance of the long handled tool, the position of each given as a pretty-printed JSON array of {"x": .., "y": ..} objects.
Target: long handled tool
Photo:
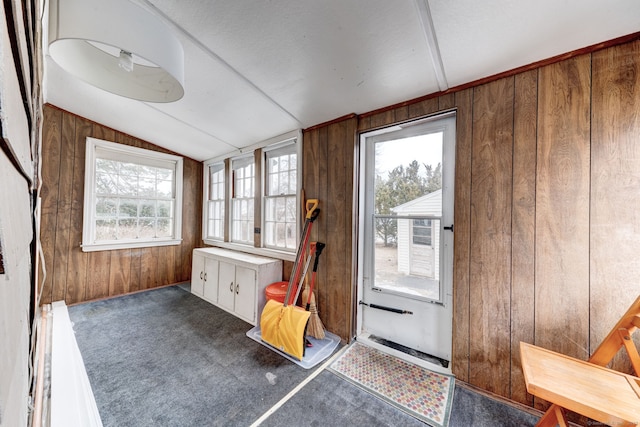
[
  {"x": 312, "y": 213},
  {"x": 312, "y": 250},
  {"x": 283, "y": 325},
  {"x": 315, "y": 327}
]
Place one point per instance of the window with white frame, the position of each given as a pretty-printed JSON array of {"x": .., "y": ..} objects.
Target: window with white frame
[
  {"x": 255, "y": 199},
  {"x": 280, "y": 201},
  {"x": 215, "y": 201},
  {"x": 242, "y": 199},
  {"x": 132, "y": 197}
]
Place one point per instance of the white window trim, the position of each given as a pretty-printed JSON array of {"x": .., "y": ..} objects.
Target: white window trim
[
  {"x": 205, "y": 198},
  {"x": 268, "y": 252},
  {"x": 263, "y": 195},
  {"x": 88, "y": 217},
  {"x": 238, "y": 163}
]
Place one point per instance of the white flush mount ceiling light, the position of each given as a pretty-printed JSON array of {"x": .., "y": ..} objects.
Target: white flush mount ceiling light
[{"x": 117, "y": 46}]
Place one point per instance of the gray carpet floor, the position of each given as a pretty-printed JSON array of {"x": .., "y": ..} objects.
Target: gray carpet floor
[{"x": 167, "y": 358}]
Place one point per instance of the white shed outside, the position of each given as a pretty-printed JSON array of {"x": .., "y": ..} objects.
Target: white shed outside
[{"x": 419, "y": 239}]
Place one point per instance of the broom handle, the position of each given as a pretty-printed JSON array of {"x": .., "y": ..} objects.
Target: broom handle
[
  {"x": 312, "y": 214},
  {"x": 312, "y": 250},
  {"x": 319, "y": 247}
]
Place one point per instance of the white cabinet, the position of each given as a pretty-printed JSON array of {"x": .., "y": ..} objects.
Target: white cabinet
[
  {"x": 237, "y": 279},
  {"x": 204, "y": 277}
]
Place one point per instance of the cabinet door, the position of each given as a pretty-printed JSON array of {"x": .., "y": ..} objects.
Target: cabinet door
[
  {"x": 197, "y": 274},
  {"x": 245, "y": 304},
  {"x": 210, "y": 292},
  {"x": 227, "y": 285}
]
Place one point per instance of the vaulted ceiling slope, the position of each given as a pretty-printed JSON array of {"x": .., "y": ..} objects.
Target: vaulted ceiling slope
[{"x": 258, "y": 69}]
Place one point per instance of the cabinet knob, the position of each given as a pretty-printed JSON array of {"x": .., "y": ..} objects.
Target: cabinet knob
[
  {"x": 201, "y": 275},
  {"x": 238, "y": 288},
  {"x": 231, "y": 287},
  {"x": 205, "y": 277}
]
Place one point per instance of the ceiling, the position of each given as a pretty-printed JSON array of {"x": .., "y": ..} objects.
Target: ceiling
[{"x": 258, "y": 69}]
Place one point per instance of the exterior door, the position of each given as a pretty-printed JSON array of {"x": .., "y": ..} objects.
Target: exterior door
[{"x": 405, "y": 239}]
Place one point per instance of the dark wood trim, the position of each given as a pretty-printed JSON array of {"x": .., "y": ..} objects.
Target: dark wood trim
[{"x": 330, "y": 122}]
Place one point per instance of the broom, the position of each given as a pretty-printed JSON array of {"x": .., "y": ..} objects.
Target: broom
[{"x": 315, "y": 328}]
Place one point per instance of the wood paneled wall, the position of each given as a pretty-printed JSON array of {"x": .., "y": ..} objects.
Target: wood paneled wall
[
  {"x": 547, "y": 211},
  {"x": 75, "y": 276},
  {"x": 328, "y": 156}
]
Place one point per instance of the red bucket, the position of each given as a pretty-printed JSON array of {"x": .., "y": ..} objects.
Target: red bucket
[{"x": 278, "y": 291}]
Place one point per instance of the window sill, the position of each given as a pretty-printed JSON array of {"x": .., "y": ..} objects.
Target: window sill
[
  {"x": 270, "y": 253},
  {"x": 128, "y": 245}
]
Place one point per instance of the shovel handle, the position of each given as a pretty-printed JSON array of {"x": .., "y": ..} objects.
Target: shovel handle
[{"x": 310, "y": 207}]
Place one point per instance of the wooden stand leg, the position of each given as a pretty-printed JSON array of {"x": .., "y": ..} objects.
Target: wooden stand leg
[{"x": 553, "y": 417}]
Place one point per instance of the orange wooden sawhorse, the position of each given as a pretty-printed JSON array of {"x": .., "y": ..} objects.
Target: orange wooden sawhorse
[{"x": 620, "y": 336}]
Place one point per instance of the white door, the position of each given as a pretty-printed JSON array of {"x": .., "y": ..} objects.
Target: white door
[
  {"x": 197, "y": 274},
  {"x": 401, "y": 168},
  {"x": 245, "y": 304},
  {"x": 210, "y": 292},
  {"x": 226, "y": 285}
]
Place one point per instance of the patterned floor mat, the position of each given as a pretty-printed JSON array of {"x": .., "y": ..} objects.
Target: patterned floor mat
[{"x": 421, "y": 393}]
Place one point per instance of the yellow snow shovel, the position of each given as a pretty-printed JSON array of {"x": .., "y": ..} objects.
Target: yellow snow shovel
[
  {"x": 284, "y": 327},
  {"x": 283, "y": 324}
]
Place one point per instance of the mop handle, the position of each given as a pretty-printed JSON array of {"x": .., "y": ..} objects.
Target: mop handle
[{"x": 319, "y": 247}]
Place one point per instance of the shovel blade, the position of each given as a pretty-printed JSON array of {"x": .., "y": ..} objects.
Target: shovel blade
[{"x": 284, "y": 327}]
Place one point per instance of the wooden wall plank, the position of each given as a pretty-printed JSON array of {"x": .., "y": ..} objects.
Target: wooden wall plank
[
  {"x": 149, "y": 268},
  {"x": 320, "y": 190},
  {"x": 490, "y": 268},
  {"x": 63, "y": 214},
  {"x": 338, "y": 220},
  {"x": 423, "y": 108},
  {"x": 98, "y": 271},
  {"x": 51, "y": 136},
  {"x": 191, "y": 217},
  {"x": 562, "y": 208},
  {"x": 136, "y": 270},
  {"x": 84, "y": 276},
  {"x": 383, "y": 118},
  {"x": 77, "y": 268},
  {"x": 615, "y": 176},
  {"x": 447, "y": 101},
  {"x": 461, "y": 236},
  {"x": 523, "y": 226}
]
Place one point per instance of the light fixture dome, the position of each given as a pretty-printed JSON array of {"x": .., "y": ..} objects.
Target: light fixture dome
[{"x": 117, "y": 46}]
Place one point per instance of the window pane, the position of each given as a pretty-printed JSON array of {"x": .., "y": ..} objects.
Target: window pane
[
  {"x": 106, "y": 167},
  {"x": 164, "y": 189},
  {"x": 127, "y": 228},
  {"x": 106, "y": 207},
  {"x": 127, "y": 185},
  {"x": 147, "y": 228},
  {"x": 147, "y": 172},
  {"x": 106, "y": 184},
  {"x": 128, "y": 169},
  {"x": 147, "y": 208},
  {"x": 164, "y": 228},
  {"x": 164, "y": 209},
  {"x": 290, "y": 216},
  {"x": 128, "y": 208},
  {"x": 147, "y": 187},
  {"x": 105, "y": 229}
]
